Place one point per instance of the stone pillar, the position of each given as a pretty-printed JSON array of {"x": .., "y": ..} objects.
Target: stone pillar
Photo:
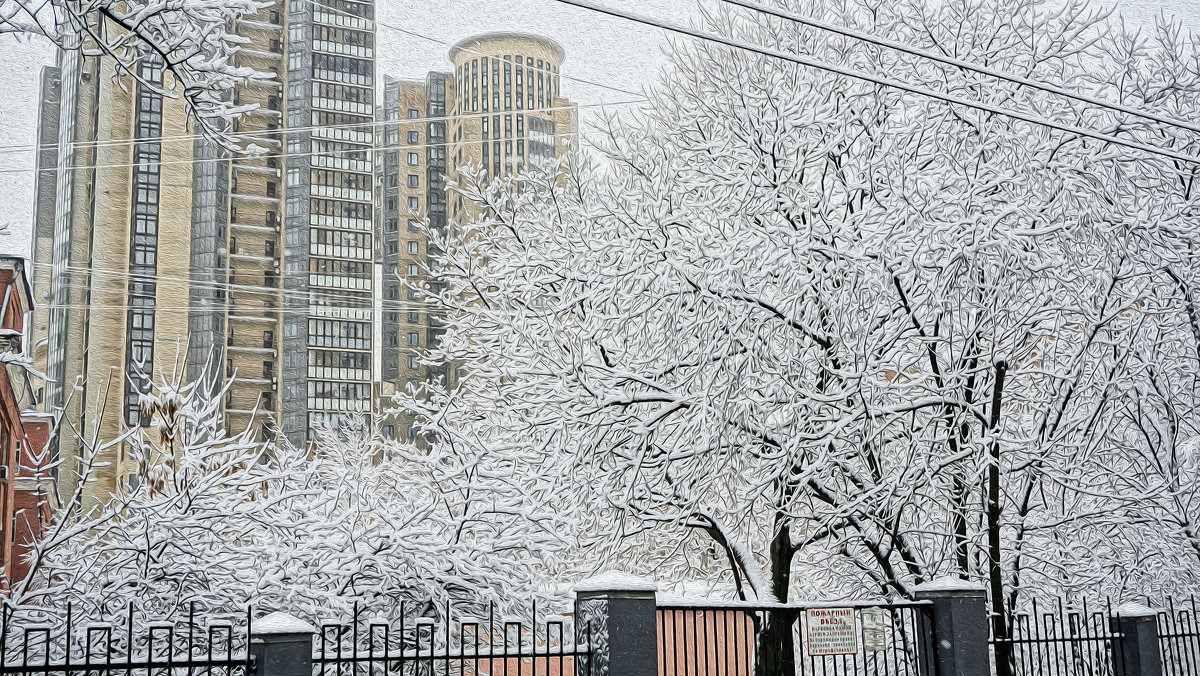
[
  {"x": 960, "y": 631},
  {"x": 1136, "y": 653},
  {"x": 281, "y": 645},
  {"x": 616, "y": 614}
]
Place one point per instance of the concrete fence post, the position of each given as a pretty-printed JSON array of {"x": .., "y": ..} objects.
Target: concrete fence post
[
  {"x": 960, "y": 629},
  {"x": 1136, "y": 652},
  {"x": 281, "y": 645},
  {"x": 615, "y": 614}
]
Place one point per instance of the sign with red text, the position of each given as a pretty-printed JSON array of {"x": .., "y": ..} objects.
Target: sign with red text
[{"x": 831, "y": 631}]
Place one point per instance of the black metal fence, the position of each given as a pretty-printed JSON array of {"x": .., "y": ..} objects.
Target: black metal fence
[
  {"x": 1058, "y": 640},
  {"x": 445, "y": 647},
  {"x": 32, "y": 643},
  {"x": 782, "y": 640},
  {"x": 1179, "y": 637}
]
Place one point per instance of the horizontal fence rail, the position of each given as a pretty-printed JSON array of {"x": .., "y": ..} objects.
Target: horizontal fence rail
[
  {"x": 193, "y": 646},
  {"x": 447, "y": 647},
  {"x": 853, "y": 639}
]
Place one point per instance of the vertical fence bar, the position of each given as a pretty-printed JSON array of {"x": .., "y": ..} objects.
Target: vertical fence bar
[{"x": 739, "y": 618}]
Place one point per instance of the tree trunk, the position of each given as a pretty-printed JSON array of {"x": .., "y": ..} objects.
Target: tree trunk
[
  {"x": 1000, "y": 628},
  {"x": 776, "y": 647}
]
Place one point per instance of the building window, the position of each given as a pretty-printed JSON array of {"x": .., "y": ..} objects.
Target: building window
[
  {"x": 413, "y": 204},
  {"x": 268, "y": 369},
  {"x": 414, "y": 317},
  {"x": 414, "y": 339},
  {"x": 413, "y": 270},
  {"x": 268, "y": 338},
  {"x": 270, "y": 188},
  {"x": 412, "y": 432},
  {"x": 413, "y": 159},
  {"x": 143, "y": 244},
  {"x": 414, "y": 137},
  {"x": 412, "y": 361},
  {"x": 413, "y": 226},
  {"x": 414, "y": 114},
  {"x": 414, "y": 181},
  {"x": 389, "y": 432},
  {"x": 414, "y": 247}
]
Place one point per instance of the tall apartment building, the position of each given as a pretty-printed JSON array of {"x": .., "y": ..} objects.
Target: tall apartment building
[
  {"x": 500, "y": 111},
  {"x": 508, "y": 112},
  {"x": 288, "y": 275},
  {"x": 112, "y": 255},
  {"x": 235, "y": 293},
  {"x": 330, "y": 273},
  {"x": 156, "y": 250}
]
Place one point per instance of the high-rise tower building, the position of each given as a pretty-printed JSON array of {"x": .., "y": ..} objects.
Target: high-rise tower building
[
  {"x": 509, "y": 114},
  {"x": 112, "y": 256},
  {"x": 237, "y": 205},
  {"x": 156, "y": 249},
  {"x": 499, "y": 112},
  {"x": 292, "y": 275},
  {"x": 329, "y": 250}
]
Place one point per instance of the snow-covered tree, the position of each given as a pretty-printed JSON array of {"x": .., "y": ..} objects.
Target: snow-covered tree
[
  {"x": 852, "y": 338},
  {"x": 222, "y": 521},
  {"x": 193, "y": 39}
]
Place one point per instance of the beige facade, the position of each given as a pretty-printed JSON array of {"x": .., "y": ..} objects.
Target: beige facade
[
  {"x": 253, "y": 302},
  {"x": 508, "y": 114},
  {"x": 118, "y": 275},
  {"x": 124, "y": 258},
  {"x": 517, "y": 121}
]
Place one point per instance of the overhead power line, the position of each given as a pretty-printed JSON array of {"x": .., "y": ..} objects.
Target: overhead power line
[
  {"x": 372, "y": 147},
  {"x": 252, "y": 134},
  {"x": 882, "y": 81},
  {"x": 313, "y": 296},
  {"x": 448, "y": 43},
  {"x": 965, "y": 65}
]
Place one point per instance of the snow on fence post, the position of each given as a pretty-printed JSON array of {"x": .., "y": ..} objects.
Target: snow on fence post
[
  {"x": 960, "y": 631},
  {"x": 615, "y": 613},
  {"x": 281, "y": 645},
  {"x": 1136, "y": 651}
]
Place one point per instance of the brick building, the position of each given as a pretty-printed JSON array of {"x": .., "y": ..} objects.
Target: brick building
[{"x": 27, "y": 493}]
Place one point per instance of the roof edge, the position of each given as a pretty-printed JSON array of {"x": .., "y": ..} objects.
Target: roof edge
[{"x": 461, "y": 44}]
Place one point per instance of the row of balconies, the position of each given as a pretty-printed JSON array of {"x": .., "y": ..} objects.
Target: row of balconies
[{"x": 253, "y": 272}]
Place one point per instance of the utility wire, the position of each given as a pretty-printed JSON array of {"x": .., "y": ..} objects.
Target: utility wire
[
  {"x": 885, "y": 82},
  {"x": 448, "y": 43},
  {"x": 252, "y": 134},
  {"x": 965, "y": 65},
  {"x": 124, "y": 276},
  {"x": 373, "y": 146},
  {"x": 192, "y": 137}
]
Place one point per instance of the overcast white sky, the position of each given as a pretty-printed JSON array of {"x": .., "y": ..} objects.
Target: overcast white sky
[{"x": 599, "y": 49}]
